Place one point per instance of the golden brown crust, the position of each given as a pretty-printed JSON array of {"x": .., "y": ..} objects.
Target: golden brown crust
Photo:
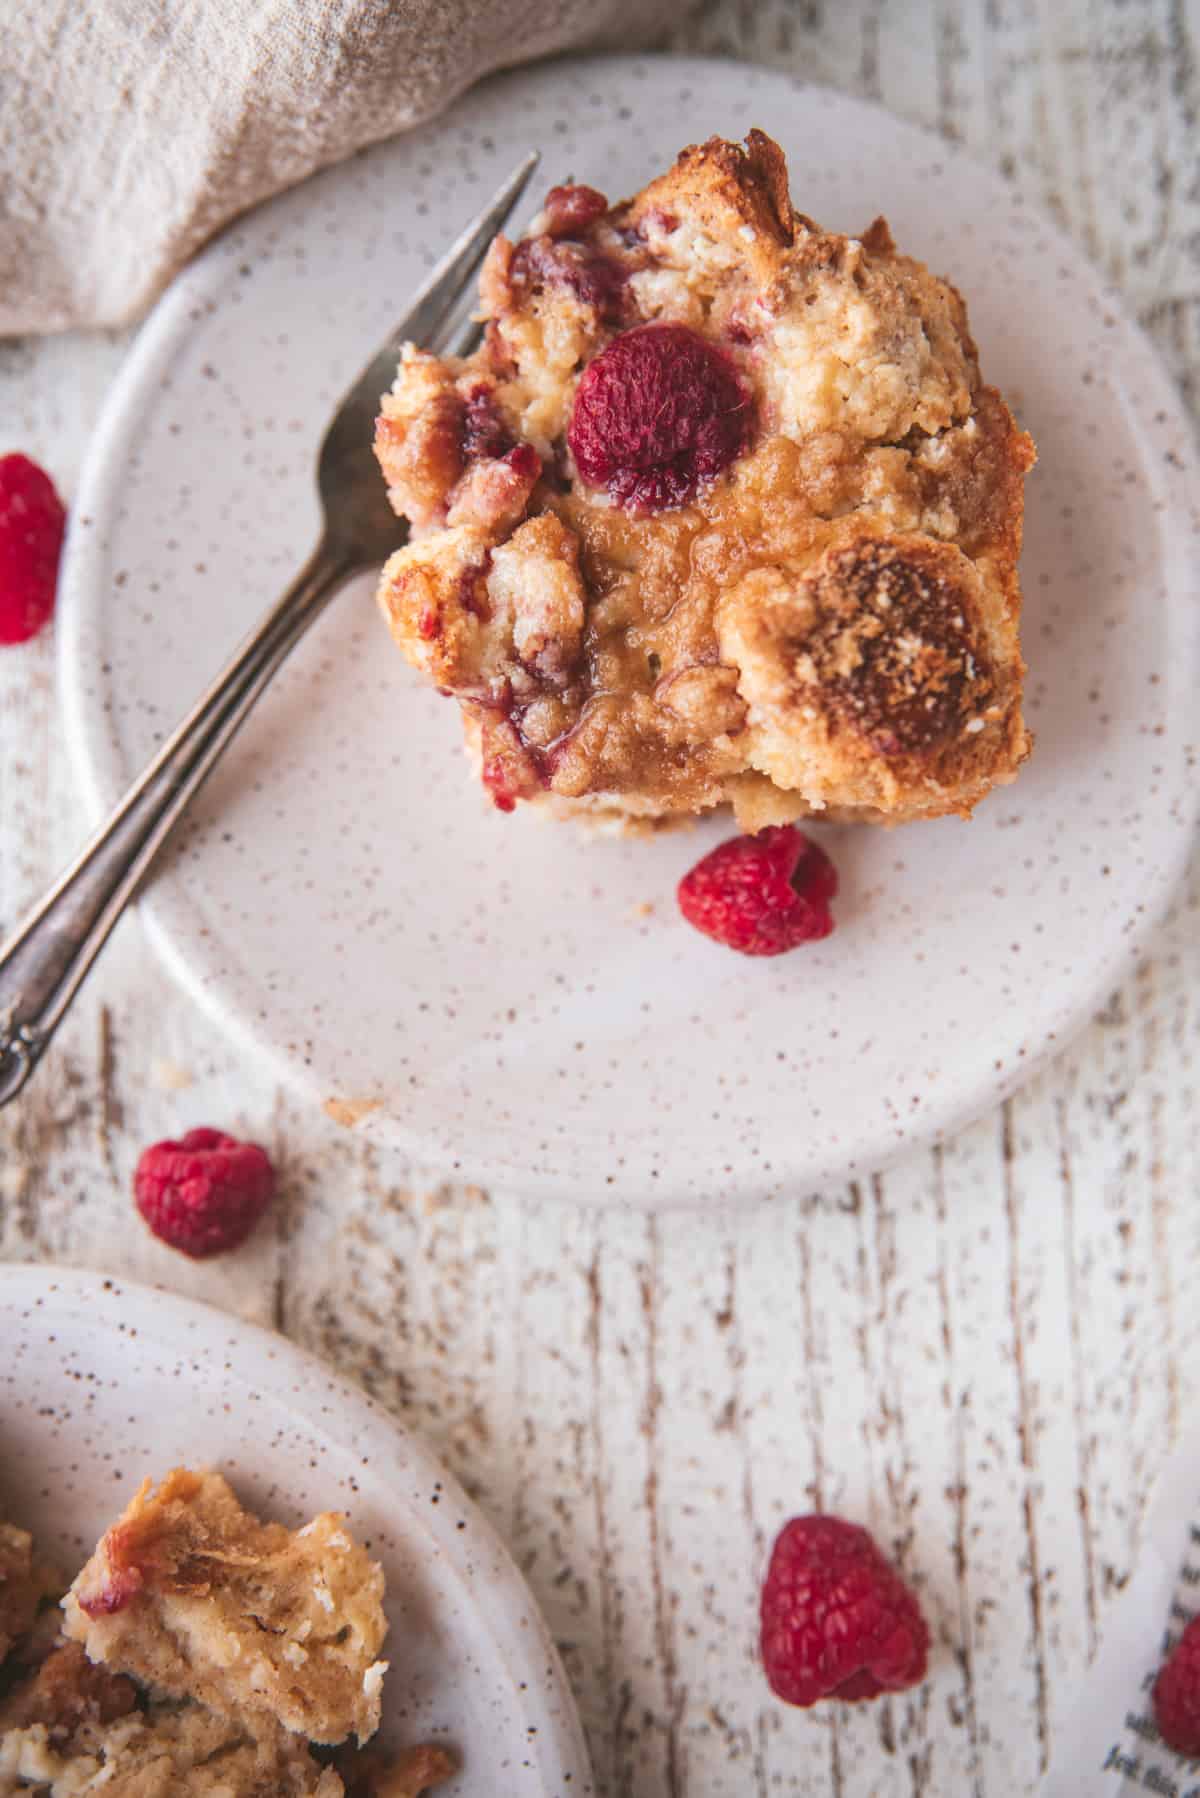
[
  {"x": 719, "y": 180},
  {"x": 371, "y": 1773},
  {"x": 878, "y": 239},
  {"x": 876, "y": 672},
  {"x": 786, "y": 639},
  {"x": 417, "y": 1770},
  {"x": 889, "y": 643}
]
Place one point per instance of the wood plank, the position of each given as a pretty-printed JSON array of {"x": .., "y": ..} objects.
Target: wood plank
[{"x": 984, "y": 1354}]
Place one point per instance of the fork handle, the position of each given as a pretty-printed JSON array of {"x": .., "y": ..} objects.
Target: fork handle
[{"x": 44, "y": 961}]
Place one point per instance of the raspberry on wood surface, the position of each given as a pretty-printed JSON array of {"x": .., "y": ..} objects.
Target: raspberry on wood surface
[
  {"x": 204, "y": 1194},
  {"x": 837, "y": 1619}
]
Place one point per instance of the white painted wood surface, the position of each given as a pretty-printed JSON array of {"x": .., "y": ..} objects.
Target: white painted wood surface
[{"x": 984, "y": 1354}]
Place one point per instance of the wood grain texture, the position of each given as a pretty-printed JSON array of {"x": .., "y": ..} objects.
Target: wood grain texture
[{"x": 984, "y": 1354}]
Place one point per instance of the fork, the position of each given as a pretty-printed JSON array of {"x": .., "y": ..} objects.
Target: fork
[{"x": 44, "y": 962}]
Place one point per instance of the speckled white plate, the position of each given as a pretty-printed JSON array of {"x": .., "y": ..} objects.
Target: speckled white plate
[
  {"x": 104, "y": 1383},
  {"x": 345, "y": 901}
]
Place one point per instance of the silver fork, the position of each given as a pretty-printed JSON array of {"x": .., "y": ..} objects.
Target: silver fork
[{"x": 44, "y": 962}]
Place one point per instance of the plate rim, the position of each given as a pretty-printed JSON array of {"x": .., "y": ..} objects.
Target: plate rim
[
  {"x": 528, "y": 1651},
  {"x": 492, "y": 1168}
]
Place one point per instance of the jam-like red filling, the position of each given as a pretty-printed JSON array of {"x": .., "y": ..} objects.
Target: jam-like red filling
[
  {"x": 595, "y": 279},
  {"x": 570, "y": 210},
  {"x": 484, "y": 432},
  {"x": 121, "y": 1585}
]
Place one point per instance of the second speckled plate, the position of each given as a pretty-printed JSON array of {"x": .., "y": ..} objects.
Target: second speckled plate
[
  {"x": 105, "y": 1383},
  {"x": 343, "y": 899}
]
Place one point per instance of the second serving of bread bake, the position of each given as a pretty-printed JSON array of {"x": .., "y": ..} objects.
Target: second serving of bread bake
[
  {"x": 721, "y": 511},
  {"x": 200, "y": 1651}
]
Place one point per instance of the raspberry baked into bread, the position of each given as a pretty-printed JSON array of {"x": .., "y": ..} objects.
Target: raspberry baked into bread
[{"x": 721, "y": 511}]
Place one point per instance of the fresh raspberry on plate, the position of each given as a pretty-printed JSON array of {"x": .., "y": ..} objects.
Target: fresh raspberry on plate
[
  {"x": 32, "y": 522},
  {"x": 837, "y": 1619},
  {"x": 656, "y": 413},
  {"x": 205, "y": 1193},
  {"x": 1177, "y": 1694},
  {"x": 761, "y": 894}
]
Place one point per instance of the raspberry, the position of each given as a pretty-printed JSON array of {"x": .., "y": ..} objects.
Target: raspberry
[
  {"x": 203, "y": 1194},
  {"x": 32, "y": 521},
  {"x": 494, "y": 776},
  {"x": 511, "y": 768},
  {"x": 595, "y": 279},
  {"x": 656, "y": 413},
  {"x": 837, "y": 1620},
  {"x": 524, "y": 461},
  {"x": 570, "y": 210},
  {"x": 117, "y": 1591},
  {"x": 762, "y": 894},
  {"x": 484, "y": 431},
  {"x": 1177, "y": 1694}
]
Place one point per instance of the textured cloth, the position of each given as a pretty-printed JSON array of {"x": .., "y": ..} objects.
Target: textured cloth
[{"x": 130, "y": 130}]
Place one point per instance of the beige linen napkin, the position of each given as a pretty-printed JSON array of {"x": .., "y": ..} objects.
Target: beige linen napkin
[{"x": 130, "y": 130}]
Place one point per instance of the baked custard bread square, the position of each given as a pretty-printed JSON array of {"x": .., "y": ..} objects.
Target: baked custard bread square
[
  {"x": 194, "y": 1597},
  {"x": 721, "y": 511}
]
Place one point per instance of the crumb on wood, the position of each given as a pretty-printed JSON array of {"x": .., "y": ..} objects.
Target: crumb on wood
[
  {"x": 169, "y": 1076},
  {"x": 348, "y": 1112},
  {"x": 13, "y": 1181}
]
